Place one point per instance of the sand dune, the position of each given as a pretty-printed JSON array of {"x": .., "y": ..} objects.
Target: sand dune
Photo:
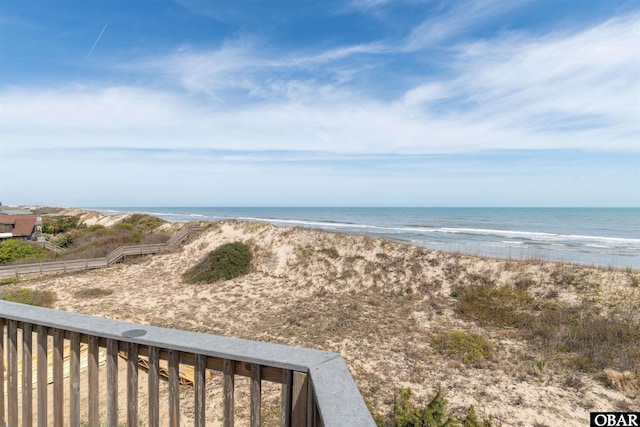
[{"x": 377, "y": 303}]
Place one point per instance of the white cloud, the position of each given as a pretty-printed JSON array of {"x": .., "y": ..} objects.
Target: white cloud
[
  {"x": 250, "y": 67},
  {"x": 530, "y": 84},
  {"x": 455, "y": 20},
  {"x": 573, "y": 90},
  {"x": 425, "y": 94}
]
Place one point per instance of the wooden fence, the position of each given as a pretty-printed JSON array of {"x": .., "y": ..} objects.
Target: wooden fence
[
  {"x": 316, "y": 387},
  {"x": 86, "y": 264}
]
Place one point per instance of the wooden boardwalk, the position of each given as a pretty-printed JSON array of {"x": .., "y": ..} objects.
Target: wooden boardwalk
[{"x": 114, "y": 257}]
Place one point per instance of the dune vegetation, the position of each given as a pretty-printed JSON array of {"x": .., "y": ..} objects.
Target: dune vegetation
[{"x": 522, "y": 341}]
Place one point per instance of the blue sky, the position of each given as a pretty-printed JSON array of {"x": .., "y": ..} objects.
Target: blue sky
[{"x": 320, "y": 103}]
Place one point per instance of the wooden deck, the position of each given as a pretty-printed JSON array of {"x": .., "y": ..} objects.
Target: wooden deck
[{"x": 316, "y": 388}]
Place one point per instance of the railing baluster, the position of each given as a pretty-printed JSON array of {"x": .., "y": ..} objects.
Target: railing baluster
[
  {"x": 317, "y": 421},
  {"x": 112, "y": 383},
  {"x": 94, "y": 388},
  {"x": 300, "y": 404},
  {"x": 299, "y": 399},
  {"x": 154, "y": 387},
  {"x": 27, "y": 374},
  {"x": 13, "y": 374},
  {"x": 132, "y": 385},
  {"x": 74, "y": 380},
  {"x": 228, "y": 391},
  {"x": 199, "y": 394},
  {"x": 256, "y": 394},
  {"x": 311, "y": 404},
  {"x": 287, "y": 385},
  {"x": 42, "y": 375},
  {"x": 2, "y": 365},
  {"x": 174, "y": 388},
  {"x": 58, "y": 378}
]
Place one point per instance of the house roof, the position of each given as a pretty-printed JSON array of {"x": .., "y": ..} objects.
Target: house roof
[{"x": 22, "y": 224}]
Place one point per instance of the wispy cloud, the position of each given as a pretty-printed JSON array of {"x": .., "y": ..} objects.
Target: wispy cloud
[
  {"x": 249, "y": 67},
  {"x": 566, "y": 90},
  {"x": 458, "y": 17},
  {"x": 532, "y": 85}
]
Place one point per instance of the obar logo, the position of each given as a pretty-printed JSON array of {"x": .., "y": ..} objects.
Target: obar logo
[{"x": 615, "y": 419}]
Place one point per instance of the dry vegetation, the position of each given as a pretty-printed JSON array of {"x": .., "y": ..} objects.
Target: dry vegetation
[
  {"x": 525, "y": 342},
  {"x": 88, "y": 235}
]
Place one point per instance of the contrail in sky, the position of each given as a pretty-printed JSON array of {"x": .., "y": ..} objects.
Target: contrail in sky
[{"x": 97, "y": 40}]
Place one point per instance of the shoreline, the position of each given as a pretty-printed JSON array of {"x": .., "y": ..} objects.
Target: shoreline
[
  {"x": 111, "y": 216},
  {"x": 600, "y": 251},
  {"x": 379, "y": 303}
]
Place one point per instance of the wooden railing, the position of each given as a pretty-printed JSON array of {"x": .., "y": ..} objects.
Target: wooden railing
[
  {"x": 181, "y": 235},
  {"x": 85, "y": 264},
  {"x": 54, "y": 248},
  {"x": 123, "y": 251},
  {"x": 316, "y": 388}
]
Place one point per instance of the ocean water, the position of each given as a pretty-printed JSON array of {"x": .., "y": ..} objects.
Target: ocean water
[{"x": 607, "y": 237}]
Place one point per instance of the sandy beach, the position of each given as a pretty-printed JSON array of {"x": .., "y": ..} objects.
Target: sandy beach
[{"x": 379, "y": 304}]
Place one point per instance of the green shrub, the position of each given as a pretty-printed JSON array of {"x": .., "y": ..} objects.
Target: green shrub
[
  {"x": 499, "y": 306},
  {"x": 226, "y": 262},
  {"x": 407, "y": 414},
  {"x": 251, "y": 227},
  {"x": 64, "y": 240},
  {"x": 587, "y": 341},
  {"x": 575, "y": 335},
  {"x": 93, "y": 293},
  {"x": 143, "y": 221},
  {"x": 26, "y": 296},
  {"x": 461, "y": 346},
  {"x": 11, "y": 250},
  {"x": 59, "y": 224},
  {"x": 84, "y": 243},
  {"x": 471, "y": 420},
  {"x": 8, "y": 281}
]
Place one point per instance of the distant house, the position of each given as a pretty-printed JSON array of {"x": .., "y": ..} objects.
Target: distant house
[{"x": 21, "y": 227}]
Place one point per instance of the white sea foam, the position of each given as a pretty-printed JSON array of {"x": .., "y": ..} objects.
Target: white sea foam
[
  {"x": 529, "y": 235},
  {"x": 525, "y": 233},
  {"x": 537, "y": 235}
]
